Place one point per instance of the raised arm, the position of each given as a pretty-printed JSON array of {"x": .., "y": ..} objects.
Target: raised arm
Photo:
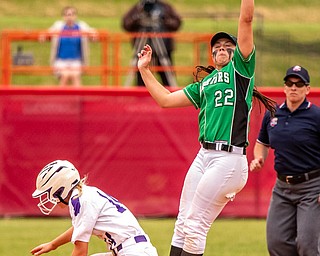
[
  {"x": 161, "y": 95},
  {"x": 245, "y": 31}
]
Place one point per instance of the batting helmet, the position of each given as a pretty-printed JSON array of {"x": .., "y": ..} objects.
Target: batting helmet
[{"x": 54, "y": 182}]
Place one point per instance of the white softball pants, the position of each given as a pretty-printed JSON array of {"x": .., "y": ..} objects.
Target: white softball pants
[{"x": 212, "y": 181}]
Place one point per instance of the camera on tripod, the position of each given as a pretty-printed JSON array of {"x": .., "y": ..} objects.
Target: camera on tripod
[{"x": 152, "y": 19}]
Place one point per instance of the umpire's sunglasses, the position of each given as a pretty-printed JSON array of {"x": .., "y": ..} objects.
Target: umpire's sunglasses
[{"x": 299, "y": 84}]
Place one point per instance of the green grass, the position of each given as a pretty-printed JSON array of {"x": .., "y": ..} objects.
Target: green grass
[{"x": 227, "y": 237}]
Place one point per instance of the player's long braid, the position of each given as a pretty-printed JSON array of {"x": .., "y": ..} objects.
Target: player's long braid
[{"x": 269, "y": 103}]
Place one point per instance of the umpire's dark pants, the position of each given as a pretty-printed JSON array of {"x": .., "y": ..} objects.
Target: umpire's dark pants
[{"x": 293, "y": 222}]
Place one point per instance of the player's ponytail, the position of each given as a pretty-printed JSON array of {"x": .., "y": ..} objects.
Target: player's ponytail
[
  {"x": 80, "y": 185},
  {"x": 269, "y": 103}
]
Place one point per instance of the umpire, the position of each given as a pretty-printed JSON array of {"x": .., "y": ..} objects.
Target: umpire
[{"x": 293, "y": 222}]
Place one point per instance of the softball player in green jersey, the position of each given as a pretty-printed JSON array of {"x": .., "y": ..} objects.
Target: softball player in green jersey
[{"x": 224, "y": 97}]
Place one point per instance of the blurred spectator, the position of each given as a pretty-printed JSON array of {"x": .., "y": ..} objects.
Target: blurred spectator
[
  {"x": 69, "y": 49},
  {"x": 153, "y": 16}
]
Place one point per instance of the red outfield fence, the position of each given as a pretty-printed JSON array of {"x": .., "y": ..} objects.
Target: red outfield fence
[{"x": 124, "y": 142}]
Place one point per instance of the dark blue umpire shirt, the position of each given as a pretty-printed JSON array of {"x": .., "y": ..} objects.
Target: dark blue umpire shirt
[{"x": 295, "y": 138}]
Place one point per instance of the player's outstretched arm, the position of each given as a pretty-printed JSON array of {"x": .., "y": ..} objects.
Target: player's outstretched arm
[
  {"x": 161, "y": 95},
  {"x": 54, "y": 244},
  {"x": 42, "y": 248}
]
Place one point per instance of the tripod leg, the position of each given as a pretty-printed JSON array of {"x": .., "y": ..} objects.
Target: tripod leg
[
  {"x": 138, "y": 45},
  {"x": 164, "y": 59}
]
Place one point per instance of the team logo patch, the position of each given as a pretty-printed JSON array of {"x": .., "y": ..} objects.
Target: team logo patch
[
  {"x": 274, "y": 122},
  {"x": 296, "y": 68}
]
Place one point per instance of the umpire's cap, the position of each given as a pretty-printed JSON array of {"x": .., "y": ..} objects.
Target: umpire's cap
[
  {"x": 220, "y": 35},
  {"x": 299, "y": 72}
]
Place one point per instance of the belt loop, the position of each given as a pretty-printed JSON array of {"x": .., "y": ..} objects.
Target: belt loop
[{"x": 306, "y": 175}]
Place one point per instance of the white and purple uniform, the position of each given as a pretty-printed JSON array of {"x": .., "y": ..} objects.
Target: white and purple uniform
[{"x": 97, "y": 213}]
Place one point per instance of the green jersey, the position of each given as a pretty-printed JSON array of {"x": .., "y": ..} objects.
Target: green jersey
[{"x": 224, "y": 98}]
